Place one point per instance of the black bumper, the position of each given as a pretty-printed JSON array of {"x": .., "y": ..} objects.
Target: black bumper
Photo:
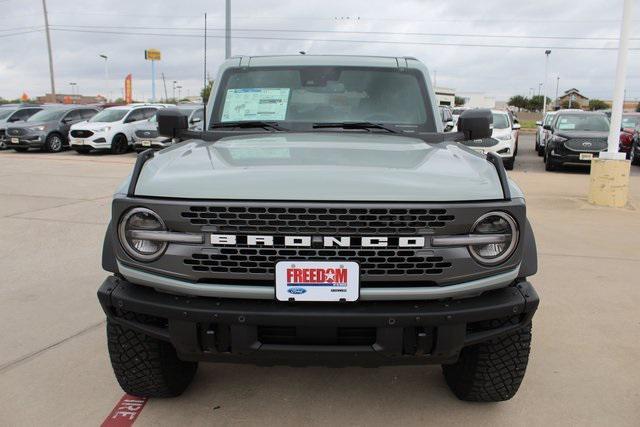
[{"x": 342, "y": 334}]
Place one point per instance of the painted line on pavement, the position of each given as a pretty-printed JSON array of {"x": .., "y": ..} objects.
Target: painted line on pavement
[{"x": 126, "y": 411}]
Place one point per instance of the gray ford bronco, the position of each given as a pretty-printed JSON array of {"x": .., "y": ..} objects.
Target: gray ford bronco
[{"x": 322, "y": 217}]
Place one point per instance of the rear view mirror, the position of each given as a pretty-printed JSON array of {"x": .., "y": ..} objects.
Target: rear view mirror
[
  {"x": 547, "y": 127},
  {"x": 476, "y": 123},
  {"x": 171, "y": 122}
]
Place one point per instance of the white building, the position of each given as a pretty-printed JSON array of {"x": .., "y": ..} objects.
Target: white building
[
  {"x": 478, "y": 100},
  {"x": 445, "y": 96}
]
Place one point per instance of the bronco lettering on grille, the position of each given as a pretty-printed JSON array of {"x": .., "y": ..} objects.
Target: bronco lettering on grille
[{"x": 323, "y": 241}]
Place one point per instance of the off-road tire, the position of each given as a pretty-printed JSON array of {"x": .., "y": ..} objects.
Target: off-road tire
[
  {"x": 491, "y": 371},
  {"x": 54, "y": 143},
  {"x": 146, "y": 366},
  {"x": 119, "y": 144}
]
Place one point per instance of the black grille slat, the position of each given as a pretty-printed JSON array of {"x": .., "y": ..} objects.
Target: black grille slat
[
  {"x": 147, "y": 133},
  {"x": 81, "y": 133},
  {"x": 295, "y": 220},
  {"x": 586, "y": 144},
  {"x": 16, "y": 131},
  {"x": 373, "y": 262}
]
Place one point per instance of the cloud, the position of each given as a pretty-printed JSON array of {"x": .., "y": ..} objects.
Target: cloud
[{"x": 173, "y": 27}]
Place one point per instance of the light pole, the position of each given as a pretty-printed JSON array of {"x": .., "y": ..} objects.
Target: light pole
[
  {"x": 106, "y": 75},
  {"x": 174, "y": 89},
  {"x": 227, "y": 30},
  {"x": 556, "y": 101},
  {"x": 539, "y": 88},
  {"x": 544, "y": 92},
  {"x": 179, "y": 90}
]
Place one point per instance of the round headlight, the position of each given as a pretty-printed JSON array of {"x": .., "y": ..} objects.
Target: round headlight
[
  {"x": 141, "y": 219},
  {"x": 504, "y": 227}
]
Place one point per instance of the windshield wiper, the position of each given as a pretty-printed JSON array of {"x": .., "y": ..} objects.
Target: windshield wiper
[
  {"x": 355, "y": 125},
  {"x": 248, "y": 124}
]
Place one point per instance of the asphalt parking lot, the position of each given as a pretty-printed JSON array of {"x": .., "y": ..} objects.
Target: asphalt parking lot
[{"x": 54, "y": 367}]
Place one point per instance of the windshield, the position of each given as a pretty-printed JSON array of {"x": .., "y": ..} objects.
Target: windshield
[
  {"x": 109, "y": 115},
  {"x": 631, "y": 121},
  {"x": 5, "y": 113},
  {"x": 500, "y": 121},
  {"x": 548, "y": 119},
  {"x": 323, "y": 95},
  {"x": 583, "y": 122},
  {"x": 47, "y": 116}
]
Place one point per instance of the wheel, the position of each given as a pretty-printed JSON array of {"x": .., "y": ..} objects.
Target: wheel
[
  {"x": 145, "y": 366},
  {"x": 491, "y": 371},
  {"x": 549, "y": 164},
  {"x": 508, "y": 163},
  {"x": 21, "y": 149},
  {"x": 515, "y": 152},
  {"x": 53, "y": 144},
  {"x": 3, "y": 145},
  {"x": 119, "y": 144},
  {"x": 82, "y": 150},
  {"x": 540, "y": 151}
]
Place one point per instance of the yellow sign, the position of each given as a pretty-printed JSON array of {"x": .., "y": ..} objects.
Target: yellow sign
[{"x": 152, "y": 55}]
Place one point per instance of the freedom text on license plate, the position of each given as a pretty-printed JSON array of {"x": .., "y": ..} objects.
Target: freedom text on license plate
[
  {"x": 146, "y": 143},
  {"x": 586, "y": 156},
  {"x": 317, "y": 281}
]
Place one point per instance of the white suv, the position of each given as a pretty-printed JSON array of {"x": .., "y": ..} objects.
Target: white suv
[
  {"x": 111, "y": 129},
  {"x": 502, "y": 141}
]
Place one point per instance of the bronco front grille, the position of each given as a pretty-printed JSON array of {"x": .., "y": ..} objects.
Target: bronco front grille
[
  {"x": 373, "y": 262},
  {"x": 81, "y": 133},
  {"x": 351, "y": 221}
]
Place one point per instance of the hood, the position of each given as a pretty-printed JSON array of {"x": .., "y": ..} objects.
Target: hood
[
  {"x": 499, "y": 132},
  {"x": 92, "y": 125},
  {"x": 320, "y": 166},
  {"x": 569, "y": 134},
  {"x": 22, "y": 125}
]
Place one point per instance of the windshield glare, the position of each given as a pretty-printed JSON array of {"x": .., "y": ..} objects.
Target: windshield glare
[
  {"x": 109, "y": 116},
  {"x": 47, "y": 116},
  {"x": 5, "y": 113},
  {"x": 323, "y": 95},
  {"x": 583, "y": 122},
  {"x": 500, "y": 121}
]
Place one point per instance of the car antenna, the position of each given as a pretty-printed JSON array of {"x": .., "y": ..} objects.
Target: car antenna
[{"x": 204, "y": 76}]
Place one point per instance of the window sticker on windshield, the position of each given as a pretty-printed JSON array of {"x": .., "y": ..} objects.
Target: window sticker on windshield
[
  {"x": 566, "y": 126},
  {"x": 255, "y": 104}
]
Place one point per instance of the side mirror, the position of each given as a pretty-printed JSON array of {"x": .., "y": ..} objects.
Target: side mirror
[
  {"x": 171, "y": 122},
  {"x": 516, "y": 126},
  {"x": 448, "y": 125},
  {"x": 547, "y": 127},
  {"x": 475, "y": 124},
  {"x": 538, "y": 123}
]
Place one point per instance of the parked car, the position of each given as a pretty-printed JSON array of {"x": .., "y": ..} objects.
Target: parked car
[
  {"x": 48, "y": 129},
  {"x": 541, "y": 132},
  {"x": 502, "y": 141},
  {"x": 629, "y": 132},
  {"x": 447, "y": 118},
  {"x": 11, "y": 115},
  {"x": 111, "y": 129},
  {"x": 146, "y": 136},
  {"x": 455, "y": 114},
  {"x": 575, "y": 138},
  {"x": 322, "y": 218}
]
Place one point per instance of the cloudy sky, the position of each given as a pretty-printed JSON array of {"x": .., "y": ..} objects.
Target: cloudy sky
[{"x": 492, "y": 46}]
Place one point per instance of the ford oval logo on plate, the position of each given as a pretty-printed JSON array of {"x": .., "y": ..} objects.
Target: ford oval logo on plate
[{"x": 296, "y": 291}]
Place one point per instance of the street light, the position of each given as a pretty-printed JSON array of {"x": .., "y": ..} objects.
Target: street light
[
  {"x": 544, "y": 92},
  {"x": 106, "y": 74},
  {"x": 179, "y": 90},
  {"x": 174, "y": 89}
]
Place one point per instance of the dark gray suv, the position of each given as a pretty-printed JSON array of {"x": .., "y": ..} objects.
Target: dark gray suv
[
  {"x": 11, "y": 114},
  {"x": 48, "y": 129}
]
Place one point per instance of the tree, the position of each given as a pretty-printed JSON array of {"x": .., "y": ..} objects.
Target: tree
[
  {"x": 536, "y": 103},
  {"x": 597, "y": 104},
  {"x": 206, "y": 91},
  {"x": 460, "y": 101},
  {"x": 518, "y": 101}
]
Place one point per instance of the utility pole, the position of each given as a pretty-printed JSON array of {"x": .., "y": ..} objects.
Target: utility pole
[
  {"x": 227, "y": 30},
  {"x": 544, "y": 92},
  {"x": 46, "y": 29},
  {"x": 557, "y": 103},
  {"x": 205, "y": 76},
  {"x": 174, "y": 90},
  {"x": 165, "y": 88},
  {"x": 106, "y": 76}
]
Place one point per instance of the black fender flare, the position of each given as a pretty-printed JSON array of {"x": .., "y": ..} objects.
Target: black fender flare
[
  {"x": 108, "y": 254},
  {"x": 529, "y": 264}
]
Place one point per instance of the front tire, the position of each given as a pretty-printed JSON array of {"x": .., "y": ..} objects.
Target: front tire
[
  {"x": 119, "y": 144},
  {"x": 146, "y": 366},
  {"x": 549, "y": 164},
  {"x": 491, "y": 371},
  {"x": 54, "y": 143}
]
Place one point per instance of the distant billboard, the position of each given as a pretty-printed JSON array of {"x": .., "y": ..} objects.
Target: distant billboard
[
  {"x": 152, "y": 55},
  {"x": 128, "y": 90}
]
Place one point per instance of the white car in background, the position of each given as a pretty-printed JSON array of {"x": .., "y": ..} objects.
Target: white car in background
[
  {"x": 111, "y": 129},
  {"x": 455, "y": 114},
  {"x": 502, "y": 141}
]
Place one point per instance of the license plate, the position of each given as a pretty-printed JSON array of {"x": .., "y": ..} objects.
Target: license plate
[
  {"x": 78, "y": 142},
  {"x": 586, "y": 156},
  {"x": 146, "y": 143},
  {"x": 317, "y": 281},
  {"x": 15, "y": 141}
]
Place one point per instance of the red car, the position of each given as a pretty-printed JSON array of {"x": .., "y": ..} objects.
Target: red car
[{"x": 629, "y": 132}]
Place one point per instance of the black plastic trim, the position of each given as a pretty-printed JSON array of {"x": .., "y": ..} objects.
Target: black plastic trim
[
  {"x": 496, "y": 161},
  {"x": 140, "y": 161}
]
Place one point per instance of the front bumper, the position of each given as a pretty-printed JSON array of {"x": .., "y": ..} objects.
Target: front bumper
[
  {"x": 572, "y": 157},
  {"x": 156, "y": 144},
  {"x": 97, "y": 141},
  {"x": 368, "y": 333},
  {"x": 504, "y": 148},
  {"x": 33, "y": 140}
]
